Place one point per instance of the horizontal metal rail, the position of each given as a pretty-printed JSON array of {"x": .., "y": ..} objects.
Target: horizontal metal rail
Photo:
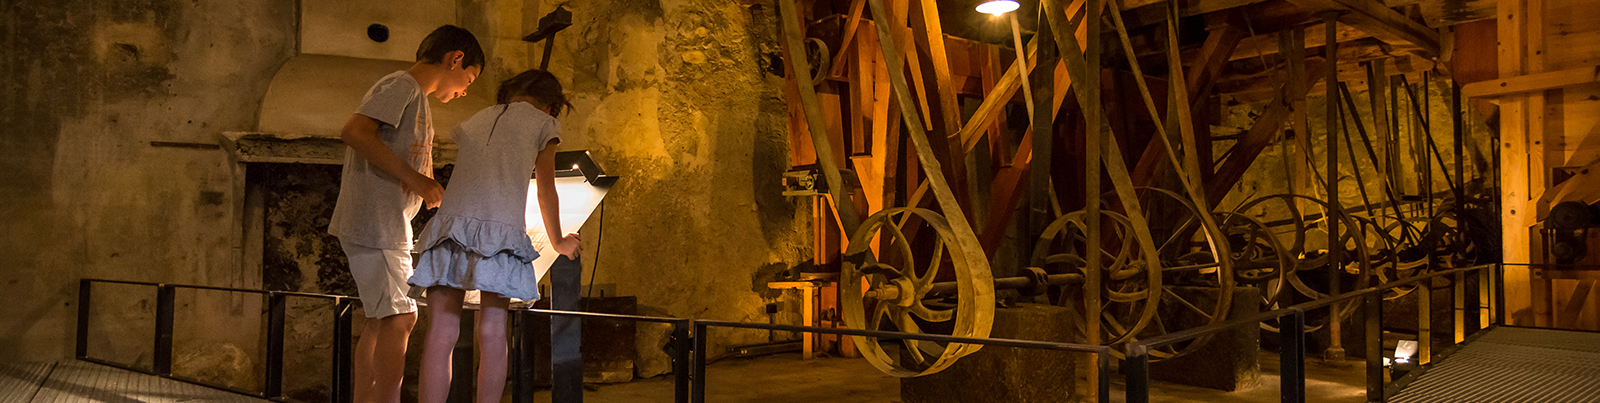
[
  {"x": 275, "y": 311},
  {"x": 1292, "y": 332},
  {"x": 688, "y": 352},
  {"x": 702, "y": 334}
]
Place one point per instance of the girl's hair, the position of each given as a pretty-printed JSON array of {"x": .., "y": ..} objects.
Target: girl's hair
[{"x": 537, "y": 84}]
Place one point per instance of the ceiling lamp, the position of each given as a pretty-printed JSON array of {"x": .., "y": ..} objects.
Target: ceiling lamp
[{"x": 998, "y": 7}]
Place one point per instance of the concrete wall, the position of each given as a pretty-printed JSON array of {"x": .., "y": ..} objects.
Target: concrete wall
[{"x": 668, "y": 95}]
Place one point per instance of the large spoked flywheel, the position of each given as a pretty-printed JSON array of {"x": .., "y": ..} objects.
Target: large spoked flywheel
[{"x": 904, "y": 297}]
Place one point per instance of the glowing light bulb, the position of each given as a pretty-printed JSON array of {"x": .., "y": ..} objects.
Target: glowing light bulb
[
  {"x": 574, "y": 166},
  {"x": 998, "y": 7}
]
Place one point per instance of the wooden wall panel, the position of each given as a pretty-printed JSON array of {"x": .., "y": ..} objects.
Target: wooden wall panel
[{"x": 1572, "y": 34}]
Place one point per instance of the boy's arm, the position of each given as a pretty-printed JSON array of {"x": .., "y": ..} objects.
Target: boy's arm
[
  {"x": 361, "y": 134},
  {"x": 544, "y": 174}
]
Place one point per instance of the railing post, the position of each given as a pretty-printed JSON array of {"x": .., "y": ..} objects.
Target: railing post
[
  {"x": 1103, "y": 381},
  {"x": 165, "y": 296},
  {"x": 698, "y": 375},
  {"x": 1498, "y": 298},
  {"x": 343, "y": 386},
  {"x": 1459, "y": 307},
  {"x": 566, "y": 332},
  {"x": 681, "y": 345},
  {"x": 83, "y": 318},
  {"x": 522, "y": 356},
  {"x": 1137, "y": 367},
  {"x": 1474, "y": 289},
  {"x": 1424, "y": 322},
  {"x": 1374, "y": 330},
  {"x": 277, "y": 304},
  {"x": 1292, "y": 357}
]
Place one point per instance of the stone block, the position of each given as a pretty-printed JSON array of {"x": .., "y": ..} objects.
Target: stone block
[
  {"x": 1002, "y": 374},
  {"x": 1225, "y": 361}
]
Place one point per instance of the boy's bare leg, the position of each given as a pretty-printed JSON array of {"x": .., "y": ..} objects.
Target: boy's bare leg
[
  {"x": 444, "y": 327},
  {"x": 362, "y": 362},
  {"x": 389, "y": 356},
  {"x": 491, "y": 341}
]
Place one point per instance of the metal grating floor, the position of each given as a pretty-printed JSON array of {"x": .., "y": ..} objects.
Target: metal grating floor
[
  {"x": 78, "y": 381},
  {"x": 1514, "y": 365}
]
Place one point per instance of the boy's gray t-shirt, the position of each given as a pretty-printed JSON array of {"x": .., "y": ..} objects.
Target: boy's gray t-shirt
[{"x": 373, "y": 210}]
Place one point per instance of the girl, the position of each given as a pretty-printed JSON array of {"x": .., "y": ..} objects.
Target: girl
[{"x": 478, "y": 239}]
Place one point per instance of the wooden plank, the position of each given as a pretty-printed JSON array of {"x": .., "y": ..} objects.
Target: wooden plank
[
  {"x": 999, "y": 133},
  {"x": 1473, "y": 52},
  {"x": 1438, "y": 14},
  {"x": 1261, "y": 88},
  {"x": 1004, "y": 194},
  {"x": 1192, "y": 8},
  {"x": 851, "y": 24},
  {"x": 867, "y": 114},
  {"x": 1214, "y": 54},
  {"x": 814, "y": 117},
  {"x": 1382, "y": 22},
  {"x": 994, "y": 101},
  {"x": 898, "y": 14},
  {"x": 1573, "y": 305},
  {"x": 1573, "y": 37},
  {"x": 1579, "y": 119},
  {"x": 1532, "y": 82},
  {"x": 1207, "y": 67},
  {"x": 947, "y": 113},
  {"x": 1515, "y": 239}
]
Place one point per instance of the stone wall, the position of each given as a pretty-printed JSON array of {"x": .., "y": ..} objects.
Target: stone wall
[
  {"x": 1270, "y": 175},
  {"x": 667, "y": 94},
  {"x": 92, "y": 89}
]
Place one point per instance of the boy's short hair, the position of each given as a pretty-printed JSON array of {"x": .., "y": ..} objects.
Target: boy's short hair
[{"x": 450, "y": 38}]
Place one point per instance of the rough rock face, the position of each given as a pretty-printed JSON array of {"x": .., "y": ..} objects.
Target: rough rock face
[{"x": 669, "y": 95}]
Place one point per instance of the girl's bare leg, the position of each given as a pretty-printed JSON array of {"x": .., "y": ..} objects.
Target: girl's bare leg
[
  {"x": 444, "y": 327},
  {"x": 491, "y": 337}
]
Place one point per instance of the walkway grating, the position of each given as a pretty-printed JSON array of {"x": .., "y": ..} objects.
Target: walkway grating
[{"x": 1514, "y": 365}]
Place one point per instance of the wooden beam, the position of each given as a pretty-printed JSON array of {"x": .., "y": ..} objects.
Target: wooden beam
[
  {"x": 1207, "y": 67},
  {"x": 1522, "y": 291},
  {"x": 850, "y": 25},
  {"x": 1256, "y": 139},
  {"x": 1382, "y": 22},
  {"x": 1531, "y": 82},
  {"x": 946, "y": 113},
  {"x": 1267, "y": 44},
  {"x": 1263, "y": 86}
]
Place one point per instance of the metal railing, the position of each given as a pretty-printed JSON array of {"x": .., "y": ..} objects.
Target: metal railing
[
  {"x": 688, "y": 349},
  {"x": 276, "y": 308},
  {"x": 1291, "y": 330},
  {"x": 702, "y": 334}
]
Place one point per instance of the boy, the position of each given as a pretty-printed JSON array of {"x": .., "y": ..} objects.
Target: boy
[{"x": 387, "y": 177}]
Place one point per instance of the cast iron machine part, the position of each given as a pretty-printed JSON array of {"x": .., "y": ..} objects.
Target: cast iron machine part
[
  {"x": 1567, "y": 228},
  {"x": 549, "y": 25},
  {"x": 1142, "y": 299}
]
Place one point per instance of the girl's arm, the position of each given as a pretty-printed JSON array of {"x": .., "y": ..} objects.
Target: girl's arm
[{"x": 544, "y": 173}]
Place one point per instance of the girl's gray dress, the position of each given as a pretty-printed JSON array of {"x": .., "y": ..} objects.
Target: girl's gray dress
[{"x": 478, "y": 239}]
